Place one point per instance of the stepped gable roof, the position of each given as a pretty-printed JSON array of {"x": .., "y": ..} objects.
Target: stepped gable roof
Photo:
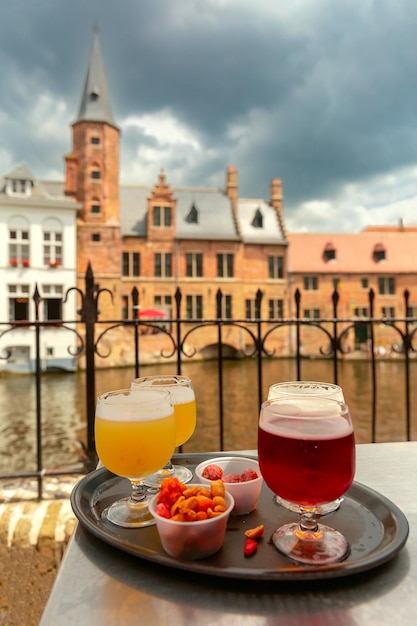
[
  {"x": 95, "y": 103},
  {"x": 259, "y": 222},
  {"x": 367, "y": 252}
]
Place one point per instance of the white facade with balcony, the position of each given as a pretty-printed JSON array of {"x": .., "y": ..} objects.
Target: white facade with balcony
[{"x": 38, "y": 251}]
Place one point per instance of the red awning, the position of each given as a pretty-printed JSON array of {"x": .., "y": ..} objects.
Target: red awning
[{"x": 152, "y": 313}]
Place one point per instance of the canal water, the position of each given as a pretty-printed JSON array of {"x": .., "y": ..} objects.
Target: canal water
[{"x": 64, "y": 410}]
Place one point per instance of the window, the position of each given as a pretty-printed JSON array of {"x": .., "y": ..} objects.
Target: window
[
  {"x": 95, "y": 207},
  {"x": 19, "y": 247},
  {"x": 225, "y": 265},
  {"x": 95, "y": 174},
  {"x": 311, "y": 314},
  {"x": 162, "y": 216},
  {"x": 361, "y": 311},
  {"x": 311, "y": 283},
  {"x": 131, "y": 264},
  {"x": 386, "y": 285},
  {"x": 194, "y": 264},
  {"x": 194, "y": 305},
  {"x": 125, "y": 307},
  {"x": 125, "y": 263},
  {"x": 379, "y": 253},
  {"x": 18, "y": 303},
  {"x": 52, "y": 302},
  {"x": 17, "y": 187},
  {"x": 329, "y": 253},
  {"x": 226, "y": 307},
  {"x": 250, "y": 309},
  {"x": 135, "y": 263},
  {"x": 258, "y": 219},
  {"x": 275, "y": 309},
  {"x": 163, "y": 264},
  {"x": 96, "y": 237},
  {"x": 52, "y": 247},
  {"x": 164, "y": 303},
  {"x": 192, "y": 216},
  {"x": 276, "y": 266},
  {"x": 95, "y": 141},
  {"x": 388, "y": 311},
  {"x": 364, "y": 283}
]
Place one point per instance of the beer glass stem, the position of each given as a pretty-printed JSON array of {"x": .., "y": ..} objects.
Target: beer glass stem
[
  {"x": 139, "y": 492},
  {"x": 308, "y": 522}
]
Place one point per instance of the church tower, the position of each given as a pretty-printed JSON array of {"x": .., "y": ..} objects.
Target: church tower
[{"x": 92, "y": 178}]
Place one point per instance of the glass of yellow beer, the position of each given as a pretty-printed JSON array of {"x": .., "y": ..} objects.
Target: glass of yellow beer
[
  {"x": 135, "y": 436},
  {"x": 185, "y": 410}
]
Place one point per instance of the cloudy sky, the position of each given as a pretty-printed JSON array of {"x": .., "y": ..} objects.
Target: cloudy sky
[{"x": 319, "y": 93}]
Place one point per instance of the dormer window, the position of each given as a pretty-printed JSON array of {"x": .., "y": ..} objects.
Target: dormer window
[
  {"x": 162, "y": 216},
  {"x": 258, "y": 219},
  {"x": 192, "y": 215},
  {"x": 329, "y": 253},
  {"x": 17, "y": 187},
  {"x": 379, "y": 253}
]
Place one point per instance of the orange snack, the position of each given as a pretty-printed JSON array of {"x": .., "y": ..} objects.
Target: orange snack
[{"x": 178, "y": 502}]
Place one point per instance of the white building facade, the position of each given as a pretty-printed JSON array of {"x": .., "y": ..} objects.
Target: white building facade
[{"x": 38, "y": 254}]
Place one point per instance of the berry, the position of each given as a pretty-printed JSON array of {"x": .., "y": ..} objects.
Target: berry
[
  {"x": 212, "y": 472},
  {"x": 231, "y": 478},
  {"x": 248, "y": 474}
]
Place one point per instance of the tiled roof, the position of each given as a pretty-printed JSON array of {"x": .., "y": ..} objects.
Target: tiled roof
[
  {"x": 214, "y": 214},
  {"x": 354, "y": 252},
  {"x": 269, "y": 232}
]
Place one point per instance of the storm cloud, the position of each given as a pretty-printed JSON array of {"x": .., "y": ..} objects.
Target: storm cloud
[{"x": 321, "y": 94}]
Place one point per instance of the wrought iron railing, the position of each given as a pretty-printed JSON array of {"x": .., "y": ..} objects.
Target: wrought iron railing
[{"x": 90, "y": 332}]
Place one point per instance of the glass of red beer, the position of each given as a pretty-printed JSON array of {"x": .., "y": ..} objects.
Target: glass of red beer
[{"x": 306, "y": 450}]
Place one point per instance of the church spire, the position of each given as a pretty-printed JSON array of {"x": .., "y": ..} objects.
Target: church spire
[{"x": 95, "y": 103}]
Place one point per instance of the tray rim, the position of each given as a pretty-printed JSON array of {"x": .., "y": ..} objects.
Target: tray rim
[{"x": 292, "y": 573}]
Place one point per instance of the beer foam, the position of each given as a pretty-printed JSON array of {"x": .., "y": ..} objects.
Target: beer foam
[
  {"x": 133, "y": 405},
  {"x": 180, "y": 394},
  {"x": 308, "y": 427}
]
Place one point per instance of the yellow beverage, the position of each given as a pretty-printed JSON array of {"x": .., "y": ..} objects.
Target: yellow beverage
[
  {"x": 185, "y": 420},
  {"x": 135, "y": 449}
]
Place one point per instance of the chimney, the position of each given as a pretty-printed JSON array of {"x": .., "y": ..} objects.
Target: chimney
[
  {"x": 232, "y": 194},
  {"x": 231, "y": 183},
  {"x": 71, "y": 166},
  {"x": 276, "y": 201}
]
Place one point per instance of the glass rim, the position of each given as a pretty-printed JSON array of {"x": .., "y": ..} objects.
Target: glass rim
[
  {"x": 177, "y": 379},
  {"x": 129, "y": 391},
  {"x": 312, "y": 383}
]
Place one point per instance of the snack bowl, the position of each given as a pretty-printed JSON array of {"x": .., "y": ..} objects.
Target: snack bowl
[
  {"x": 192, "y": 540},
  {"x": 245, "y": 494}
]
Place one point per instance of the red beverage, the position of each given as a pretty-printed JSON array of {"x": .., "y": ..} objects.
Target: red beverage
[{"x": 308, "y": 459}]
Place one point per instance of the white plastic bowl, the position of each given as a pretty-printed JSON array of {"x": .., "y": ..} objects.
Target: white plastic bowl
[
  {"x": 192, "y": 540},
  {"x": 245, "y": 494}
]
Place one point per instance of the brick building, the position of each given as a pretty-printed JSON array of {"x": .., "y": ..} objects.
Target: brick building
[
  {"x": 379, "y": 258},
  {"x": 160, "y": 237}
]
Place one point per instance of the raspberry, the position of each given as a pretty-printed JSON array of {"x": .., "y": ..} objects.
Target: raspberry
[
  {"x": 231, "y": 478},
  {"x": 212, "y": 472},
  {"x": 248, "y": 474}
]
